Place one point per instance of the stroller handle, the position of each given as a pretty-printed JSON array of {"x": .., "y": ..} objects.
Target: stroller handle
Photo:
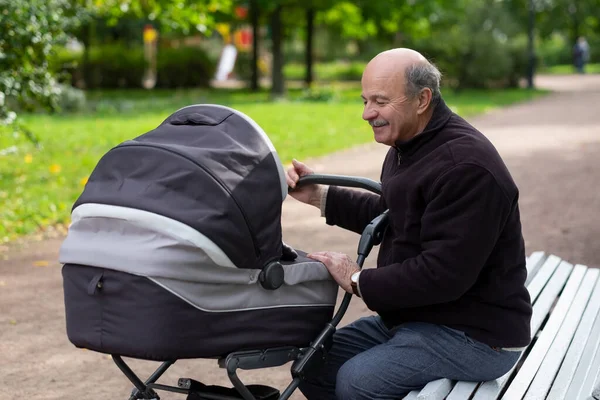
[{"x": 341, "y": 180}]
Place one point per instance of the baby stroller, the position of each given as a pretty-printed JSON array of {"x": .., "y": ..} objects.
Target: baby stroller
[{"x": 175, "y": 251}]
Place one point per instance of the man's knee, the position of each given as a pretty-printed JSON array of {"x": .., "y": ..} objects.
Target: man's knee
[
  {"x": 355, "y": 382},
  {"x": 349, "y": 379}
]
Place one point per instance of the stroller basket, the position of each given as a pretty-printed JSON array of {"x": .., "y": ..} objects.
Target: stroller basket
[{"x": 172, "y": 255}]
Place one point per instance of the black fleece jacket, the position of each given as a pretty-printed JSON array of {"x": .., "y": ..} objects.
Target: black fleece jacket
[{"x": 453, "y": 253}]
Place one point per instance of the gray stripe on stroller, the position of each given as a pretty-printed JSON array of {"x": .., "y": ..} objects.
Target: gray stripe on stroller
[{"x": 177, "y": 258}]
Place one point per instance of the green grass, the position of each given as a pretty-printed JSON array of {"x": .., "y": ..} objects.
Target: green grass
[
  {"x": 332, "y": 71},
  {"x": 39, "y": 186},
  {"x": 569, "y": 69}
]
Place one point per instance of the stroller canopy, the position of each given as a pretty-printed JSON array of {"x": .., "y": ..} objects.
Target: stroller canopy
[{"x": 210, "y": 168}]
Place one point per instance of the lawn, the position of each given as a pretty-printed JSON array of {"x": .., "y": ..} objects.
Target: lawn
[
  {"x": 569, "y": 69},
  {"x": 39, "y": 185}
]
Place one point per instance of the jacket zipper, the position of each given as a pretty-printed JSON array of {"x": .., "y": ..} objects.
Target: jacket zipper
[
  {"x": 252, "y": 235},
  {"x": 399, "y": 156}
]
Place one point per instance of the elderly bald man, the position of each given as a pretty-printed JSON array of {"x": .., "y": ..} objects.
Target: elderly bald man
[{"x": 449, "y": 288}]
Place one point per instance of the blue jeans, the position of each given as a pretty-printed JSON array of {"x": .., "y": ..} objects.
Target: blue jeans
[{"x": 369, "y": 361}]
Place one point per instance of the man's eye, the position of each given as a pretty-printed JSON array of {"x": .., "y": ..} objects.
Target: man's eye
[{"x": 380, "y": 103}]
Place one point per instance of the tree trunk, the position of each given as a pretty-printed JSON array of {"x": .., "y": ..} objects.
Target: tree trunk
[
  {"x": 254, "y": 16},
  {"x": 277, "y": 80},
  {"x": 310, "y": 27}
]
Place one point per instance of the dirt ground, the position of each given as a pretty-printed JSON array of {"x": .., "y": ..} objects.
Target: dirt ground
[{"x": 552, "y": 148}]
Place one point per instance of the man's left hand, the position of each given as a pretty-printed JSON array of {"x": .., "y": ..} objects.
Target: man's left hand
[{"x": 340, "y": 266}]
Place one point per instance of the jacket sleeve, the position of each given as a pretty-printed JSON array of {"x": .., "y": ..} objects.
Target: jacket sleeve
[
  {"x": 464, "y": 217},
  {"x": 352, "y": 209}
]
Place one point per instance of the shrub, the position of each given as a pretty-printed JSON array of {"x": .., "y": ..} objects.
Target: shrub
[
  {"x": 318, "y": 94},
  {"x": 184, "y": 67},
  {"x": 120, "y": 66},
  {"x": 554, "y": 51},
  {"x": 71, "y": 99},
  {"x": 114, "y": 66}
]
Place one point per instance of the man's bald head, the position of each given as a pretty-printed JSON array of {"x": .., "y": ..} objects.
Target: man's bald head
[
  {"x": 399, "y": 57},
  {"x": 407, "y": 70}
]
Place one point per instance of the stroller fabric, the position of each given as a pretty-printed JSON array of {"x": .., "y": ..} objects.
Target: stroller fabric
[{"x": 169, "y": 237}]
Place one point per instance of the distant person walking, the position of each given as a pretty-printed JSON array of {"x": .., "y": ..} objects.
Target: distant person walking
[{"x": 581, "y": 54}]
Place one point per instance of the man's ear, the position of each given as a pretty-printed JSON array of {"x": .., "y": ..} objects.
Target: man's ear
[{"x": 424, "y": 100}]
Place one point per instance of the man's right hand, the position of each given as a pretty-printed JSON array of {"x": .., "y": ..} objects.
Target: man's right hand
[{"x": 309, "y": 194}]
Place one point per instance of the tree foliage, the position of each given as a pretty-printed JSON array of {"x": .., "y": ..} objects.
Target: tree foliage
[
  {"x": 185, "y": 16},
  {"x": 29, "y": 30}
]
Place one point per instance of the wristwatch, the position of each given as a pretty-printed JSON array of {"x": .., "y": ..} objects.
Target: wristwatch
[{"x": 354, "y": 283}]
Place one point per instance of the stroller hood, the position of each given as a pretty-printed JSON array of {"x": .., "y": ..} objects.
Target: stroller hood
[{"x": 206, "y": 167}]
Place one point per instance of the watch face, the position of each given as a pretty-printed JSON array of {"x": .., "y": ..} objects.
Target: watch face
[{"x": 354, "y": 277}]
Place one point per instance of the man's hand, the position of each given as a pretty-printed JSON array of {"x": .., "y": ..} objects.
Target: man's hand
[
  {"x": 339, "y": 265},
  {"x": 309, "y": 194}
]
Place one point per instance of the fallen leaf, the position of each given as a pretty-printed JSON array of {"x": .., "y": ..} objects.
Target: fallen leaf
[
  {"x": 40, "y": 263},
  {"x": 2, "y": 283},
  {"x": 12, "y": 321}
]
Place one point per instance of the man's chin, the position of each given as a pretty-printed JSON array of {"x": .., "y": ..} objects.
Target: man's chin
[{"x": 382, "y": 137}]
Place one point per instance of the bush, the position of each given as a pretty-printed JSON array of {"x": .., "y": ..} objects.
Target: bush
[
  {"x": 71, "y": 99},
  {"x": 243, "y": 66},
  {"x": 120, "y": 66},
  {"x": 114, "y": 66},
  {"x": 184, "y": 67},
  {"x": 518, "y": 53},
  {"x": 318, "y": 94},
  {"x": 554, "y": 51},
  {"x": 332, "y": 71}
]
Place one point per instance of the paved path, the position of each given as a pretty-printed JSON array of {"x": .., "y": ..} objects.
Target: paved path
[{"x": 552, "y": 147}]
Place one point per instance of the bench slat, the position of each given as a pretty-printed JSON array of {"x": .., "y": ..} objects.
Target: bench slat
[
  {"x": 576, "y": 349},
  {"x": 414, "y": 395},
  {"x": 541, "y": 278},
  {"x": 547, "y": 372},
  {"x": 534, "y": 262},
  {"x": 436, "y": 390},
  {"x": 491, "y": 389},
  {"x": 592, "y": 377},
  {"x": 462, "y": 390},
  {"x": 522, "y": 380},
  {"x": 586, "y": 359}
]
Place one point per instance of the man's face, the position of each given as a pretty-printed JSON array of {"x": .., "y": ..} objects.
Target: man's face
[{"x": 391, "y": 114}]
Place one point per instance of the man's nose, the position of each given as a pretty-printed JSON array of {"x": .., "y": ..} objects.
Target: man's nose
[{"x": 369, "y": 113}]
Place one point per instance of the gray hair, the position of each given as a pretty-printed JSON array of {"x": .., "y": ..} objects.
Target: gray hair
[{"x": 420, "y": 76}]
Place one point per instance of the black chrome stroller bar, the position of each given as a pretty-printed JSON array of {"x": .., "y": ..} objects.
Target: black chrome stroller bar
[
  {"x": 341, "y": 180},
  {"x": 142, "y": 390}
]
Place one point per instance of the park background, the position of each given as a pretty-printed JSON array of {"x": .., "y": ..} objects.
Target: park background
[{"x": 79, "y": 76}]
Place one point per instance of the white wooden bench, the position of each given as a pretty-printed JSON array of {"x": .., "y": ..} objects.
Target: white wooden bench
[{"x": 563, "y": 360}]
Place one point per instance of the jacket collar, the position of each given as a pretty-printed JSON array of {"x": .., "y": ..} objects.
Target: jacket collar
[{"x": 439, "y": 118}]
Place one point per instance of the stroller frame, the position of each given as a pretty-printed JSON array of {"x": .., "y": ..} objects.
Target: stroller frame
[{"x": 304, "y": 359}]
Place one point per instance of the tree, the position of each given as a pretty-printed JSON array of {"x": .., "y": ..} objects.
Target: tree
[
  {"x": 183, "y": 16},
  {"x": 29, "y": 30}
]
